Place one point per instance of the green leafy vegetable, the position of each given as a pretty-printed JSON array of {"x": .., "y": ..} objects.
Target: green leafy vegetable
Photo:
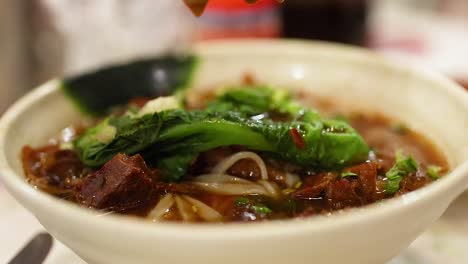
[
  {"x": 434, "y": 171},
  {"x": 95, "y": 93},
  {"x": 242, "y": 201},
  {"x": 131, "y": 136},
  {"x": 171, "y": 139},
  {"x": 172, "y": 133},
  {"x": 347, "y": 174},
  {"x": 255, "y": 100},
  {"x": 341, "y": 117},
  {"x": 258, "y": 208},
  {"x": 175, "y": 167},
  {"x": 402, "y": 167},
  {"x": 261, "y": 209}
]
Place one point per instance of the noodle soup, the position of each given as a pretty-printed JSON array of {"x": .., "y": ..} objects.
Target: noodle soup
[{"x": 249, "y": 153}]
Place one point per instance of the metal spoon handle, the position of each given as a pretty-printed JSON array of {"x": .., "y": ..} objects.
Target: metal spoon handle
[{"x": 35, "y": 251}]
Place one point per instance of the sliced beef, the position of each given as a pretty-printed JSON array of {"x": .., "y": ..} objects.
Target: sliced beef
[
  {"x": 367, "y": 175},
  {"x": 352, "y": 192},
  {"x": 341, "y": 192},
  {"x": 344, "y": 193},
  {"x": 314, "y": 186},
  {"x": 124, "y": 183}
]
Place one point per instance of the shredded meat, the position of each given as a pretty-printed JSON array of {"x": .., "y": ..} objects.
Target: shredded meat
[{"x": 122, "y": 184}]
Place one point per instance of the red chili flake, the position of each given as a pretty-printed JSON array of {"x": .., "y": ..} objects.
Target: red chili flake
[{"x": 297, "y": 138}]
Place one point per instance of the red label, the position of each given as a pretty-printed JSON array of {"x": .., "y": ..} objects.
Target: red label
[{"x": 236, "y": 5}]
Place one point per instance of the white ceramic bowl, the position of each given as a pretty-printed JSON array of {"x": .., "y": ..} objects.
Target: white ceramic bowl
[{"x": 373, "y": 234}]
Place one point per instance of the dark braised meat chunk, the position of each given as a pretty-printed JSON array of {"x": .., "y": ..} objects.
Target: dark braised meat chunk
[
  {"x": 339, "y": 192},
  {"x": 344, "y": 193},
  {"x": 52, "y": 169},
  {"x": 367, "y": 176},
  {"x": 314, "y": 186},
  {"x": 352, "y": 191},
  {"x": 124, "y": 183},
  {"x": 413, "y": 182}
]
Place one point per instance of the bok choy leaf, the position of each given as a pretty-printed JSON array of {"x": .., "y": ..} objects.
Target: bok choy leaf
[
  {"x": 96, "y": 92},
  {"x": 172, "y": 137}
]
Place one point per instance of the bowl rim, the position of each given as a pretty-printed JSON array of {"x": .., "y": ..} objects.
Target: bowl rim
[{"x": 72, "y": 212}]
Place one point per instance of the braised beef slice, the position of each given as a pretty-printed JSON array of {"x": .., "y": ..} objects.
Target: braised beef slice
[
  {"x": 351, "y": 192},
  {"x": 341, "y": 193},
  {"x": 124, "y": 183},
  {"x": 314, "y": 186},
  {"x": 344, "y": 193},
  {"x": 367, "y": 175}
]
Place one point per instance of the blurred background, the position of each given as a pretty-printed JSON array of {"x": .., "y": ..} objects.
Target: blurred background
[{"x": 41, "y": 39}]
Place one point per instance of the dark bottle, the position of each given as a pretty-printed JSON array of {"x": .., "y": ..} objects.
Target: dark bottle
[{"x": 331, "y": 20}]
